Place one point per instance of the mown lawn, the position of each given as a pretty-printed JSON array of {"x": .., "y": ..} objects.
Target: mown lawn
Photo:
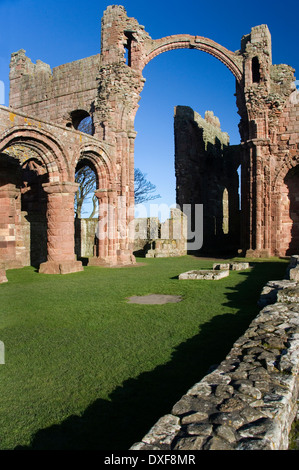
[{"x": 86, "y": 370}]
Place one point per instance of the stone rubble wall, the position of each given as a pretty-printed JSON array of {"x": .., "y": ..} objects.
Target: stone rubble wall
[
  {"x": 51, "y": 95},
  {"x": 85, "y": 234},
  {"x": 162, "y": 240},
  {"x": 249, "y": 401}
]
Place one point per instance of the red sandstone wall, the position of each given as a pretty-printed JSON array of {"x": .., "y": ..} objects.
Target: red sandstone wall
[{"x": 52, "y": 95}]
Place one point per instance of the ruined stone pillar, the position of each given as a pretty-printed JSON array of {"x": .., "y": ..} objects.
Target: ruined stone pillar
[
  {"x": 9, "y": 218},
  {"x": 126, "y": 200},
  {"x": 106, "y": 234},
  {"x": 257, "y": 201},
  {"x": 60, "y": 219}
]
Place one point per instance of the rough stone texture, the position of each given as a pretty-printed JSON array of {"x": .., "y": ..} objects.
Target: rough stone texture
[
  {"x": 239, "y": 266},
  {"x": 250, "y": 400},
  {"x": 225, "y": 266},
  {"x": 52, "y": 95},
  {"x": 161, "y": 240},
  {"x": 206, "y": 173},
  {"x": 208, "y": 274},
  {"x": 85, "y": 234},
  {"x": 235, "y": 266},
  {"x": 38, "y": 132}
]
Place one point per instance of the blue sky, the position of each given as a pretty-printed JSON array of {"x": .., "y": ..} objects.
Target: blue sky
[{"x": 60, "y": 31}]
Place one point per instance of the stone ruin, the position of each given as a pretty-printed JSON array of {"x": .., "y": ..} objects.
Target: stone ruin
[
  {"x": 250, "y": 400},
  {"x": 162, "y": 240},
  {"x": 42, "y": 145},
  {"x": 206, "y": 168}
]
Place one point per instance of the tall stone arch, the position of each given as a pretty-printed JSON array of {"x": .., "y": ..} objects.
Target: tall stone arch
[
  {"x": 108, "y": 86},
  {"x": 30, "y": 144},
  {"x": 230, "y": 59},
  {"x": 106, "y": 230},
  {"x": 262, "y": 89}
]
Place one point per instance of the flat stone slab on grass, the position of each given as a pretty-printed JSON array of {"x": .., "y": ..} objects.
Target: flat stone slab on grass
[
  {"x": 239, "y": 266},
  {"x": 154, "y": 299},
  {"x": 220, "y": 266},
  {"x": 208, "y": 274},
  {"x": 236, "y": 266}
]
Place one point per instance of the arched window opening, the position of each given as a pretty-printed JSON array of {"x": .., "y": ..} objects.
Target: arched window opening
[
  {"x": 128, "y": 51},
  {"x": 82, "y": 121},
  {"x": 86, "y": 210},
  {"x": 86, "y": 203},
  {"x": 256, "y": 76},
  {"x": 225, "y": 212}
]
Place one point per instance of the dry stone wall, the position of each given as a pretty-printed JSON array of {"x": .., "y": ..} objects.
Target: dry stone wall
[{"x": 250, "y": 400}]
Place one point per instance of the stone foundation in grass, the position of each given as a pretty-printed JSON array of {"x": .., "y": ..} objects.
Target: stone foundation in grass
[
  {"x": 250, "y": 400},
  {"x": 208, "y": 274}
]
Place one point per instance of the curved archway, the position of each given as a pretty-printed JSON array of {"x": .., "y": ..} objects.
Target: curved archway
[
  {"x": 92, "y": 246},
  {"x": 82, "y": 121},
  {"x": 101, "y": 163},
  {"x": 180, "y": 41},
  {"x": 178, "y": 70},
  {"x": 21, "y": 187},
  {"x": 42, "y": 144}
]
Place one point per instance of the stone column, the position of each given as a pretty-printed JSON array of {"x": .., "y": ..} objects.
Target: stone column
[
  {"x": 126, "y": 200},
  {"x": 106, "y": 235},
  {"x": 9, "y": 217},
  {"x": 258, "y": 208},
  {"x": 60, "y": 219}
]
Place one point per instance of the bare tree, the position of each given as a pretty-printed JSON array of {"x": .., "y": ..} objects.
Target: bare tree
[
  {"x": 144, "y": 189},
  {"x": 86, "y": 178}
]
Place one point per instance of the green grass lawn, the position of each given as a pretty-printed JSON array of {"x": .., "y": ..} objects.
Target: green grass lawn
[{"x": 86, "y": 370}]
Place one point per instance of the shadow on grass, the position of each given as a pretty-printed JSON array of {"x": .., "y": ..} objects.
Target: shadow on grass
[{"x": 135, "y": 406}]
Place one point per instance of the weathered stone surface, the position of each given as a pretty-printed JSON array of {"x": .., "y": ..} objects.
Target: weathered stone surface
[
  {"x": 289, "y": 295},
  {"x": 217, "y": 443},
  {"x": 194, "y": 417},
  {"x": 210, "y": 275},
  {"x": 225, "y": 266},
  {"x": 239, "y": 266},
  {"x": 200, "y": 389},
  {"x": 199, "y": 429},
  {"x": 163, "y": 431},
  {"x": 254, "y": 444},
  {"x": 227, "y": 433},
  {"x": 190, "y": 443},
  {"x": 189, "y": 404}
]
